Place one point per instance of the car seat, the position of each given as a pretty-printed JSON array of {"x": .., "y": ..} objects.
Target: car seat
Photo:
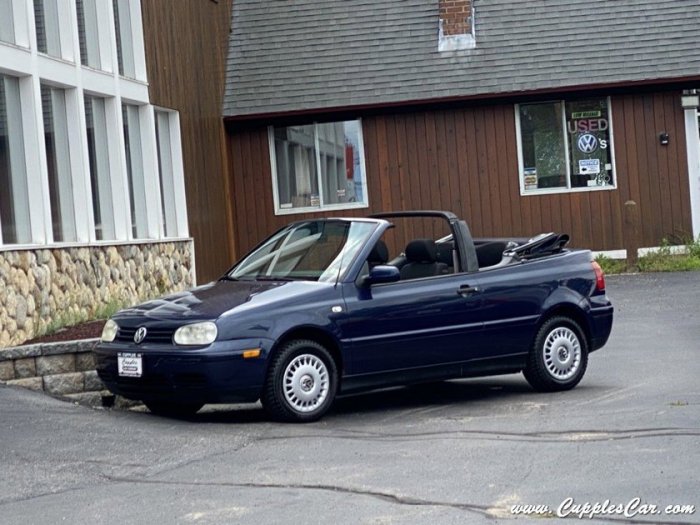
[{"x": 421, "y": 255}]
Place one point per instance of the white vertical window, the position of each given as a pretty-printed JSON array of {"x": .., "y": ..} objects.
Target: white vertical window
[
  {"x": 166, "y": 174},
  {"x": 125, "y": 39},
  {"x": 134, "y": 171},
  {"x": 48, "y": 32},
  {"x": 98, "y": 154},
  {"x": 14, "y": 195},
  {"x": 53, "y": 101},
  {"x": 7, "y": 25},
  {"x": 88, "y": 36}
]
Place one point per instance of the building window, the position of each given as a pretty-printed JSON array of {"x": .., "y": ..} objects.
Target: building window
[
  {"x": 7, "y": 25},
  {"x": 14, "y": 194},
  {"x": 46, "y": 19},
  {"x": 98, "y": 154},
  {"x": 318, "y": 167},
  {"x": 88, "y": 33},
  {"x": 125, "y": 44},
  {"x": 134, "y": 171},
  {"x": 565, "y": 146},
  {"x": 53, "y": 101},
  {"x": 166, "y": 173}
]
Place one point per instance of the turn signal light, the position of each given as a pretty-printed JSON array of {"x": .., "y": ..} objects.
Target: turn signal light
[{"x": 251, "y": 354}]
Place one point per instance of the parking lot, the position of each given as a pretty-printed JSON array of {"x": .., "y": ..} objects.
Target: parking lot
[{"x": 455, "y": 452}]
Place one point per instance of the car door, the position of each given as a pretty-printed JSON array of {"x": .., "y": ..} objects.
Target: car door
[
  {"x": 411, "y": 324},
  {"x": 510, "y": 300}
]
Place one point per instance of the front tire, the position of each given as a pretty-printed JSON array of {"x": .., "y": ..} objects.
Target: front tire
[
  {"x": 558, "y": 357},
  {"x": 302, "y": 382}
]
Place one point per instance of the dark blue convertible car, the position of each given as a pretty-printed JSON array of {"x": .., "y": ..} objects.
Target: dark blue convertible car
[{"x": 330, "y": 306}]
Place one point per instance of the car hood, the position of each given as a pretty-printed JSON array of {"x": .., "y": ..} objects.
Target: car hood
[{"x": 211, "y": 300}]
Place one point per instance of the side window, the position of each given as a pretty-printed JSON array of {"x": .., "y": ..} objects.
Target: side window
[{"x": 418, "y": 246}]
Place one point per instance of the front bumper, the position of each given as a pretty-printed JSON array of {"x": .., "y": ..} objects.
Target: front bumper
[{"x": 217, "y": 373}]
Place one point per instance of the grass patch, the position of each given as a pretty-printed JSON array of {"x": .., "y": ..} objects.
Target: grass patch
[
  {"x": 610, "y": 265},
  {"x": 664, "y": 260},
  {"x": 661, "y": 260},
  {"x": 104, "y": 311}
]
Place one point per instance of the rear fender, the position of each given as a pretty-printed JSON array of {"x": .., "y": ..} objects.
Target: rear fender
[{"x": 567, "y": 303}]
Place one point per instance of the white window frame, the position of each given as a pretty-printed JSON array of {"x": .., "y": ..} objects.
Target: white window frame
[
  {"x": 67, "y": 160},
  {"x": 15, "y": 90},
  {"x": 692, "y": 133},
  {"x": 23, "y": 61},
  {"x": 135, "y": 169},
  {"x": 322, "y": 208},
  {"x": 178, "y": 211},
  {"x": 93, "y": 44},
  {"x": 568, "y": 188},
  {"x": 67, "y": 26},
  {"x": 8, "y": 22}
]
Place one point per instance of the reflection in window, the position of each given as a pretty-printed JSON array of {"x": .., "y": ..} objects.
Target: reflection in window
[
  {"x": 53, "y": 101},
  {"x": 134, "y": 170},
  {"x": 313, "y": 250},
  {"x": 48, "y": 38},
  {"x": 7, "y": 27},
  {"x": 565, "y": 145},
  {"x": 544, "y": 157},
  {"x": 319, "y": 166},
  {"x": 87, "y": 33},
  {"x": 96, "y": 124},
  {"x": 166, "y": 174},
  {"x": 124, "y": 32},
  {"x": 14, "y": 202}
]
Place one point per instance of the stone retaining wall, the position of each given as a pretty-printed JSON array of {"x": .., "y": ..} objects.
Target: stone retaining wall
[
  {"x": 64, "y": 370},
  {"x": 48, "y": 288}
]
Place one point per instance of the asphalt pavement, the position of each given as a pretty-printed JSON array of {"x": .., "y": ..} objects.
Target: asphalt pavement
[{"x": 463, "y": 451}]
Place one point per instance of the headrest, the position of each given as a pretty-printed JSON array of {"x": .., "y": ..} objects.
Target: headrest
[
  {"x": 421, "y": 250},
  {"x": 379, "y": 254}
]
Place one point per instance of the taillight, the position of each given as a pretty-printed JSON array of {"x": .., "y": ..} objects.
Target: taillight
[{"x": 599, "y": 277}]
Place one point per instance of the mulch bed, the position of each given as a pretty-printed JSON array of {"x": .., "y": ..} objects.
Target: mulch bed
[{"x": 89, "y": 330}]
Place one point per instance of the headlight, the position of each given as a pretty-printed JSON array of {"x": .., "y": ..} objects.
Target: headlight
[
  {"x": 109, "y": 332},
  {"x": 196, "y": 334}
]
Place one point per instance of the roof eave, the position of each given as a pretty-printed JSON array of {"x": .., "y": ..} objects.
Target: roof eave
[{"x": 668, "y": 83}]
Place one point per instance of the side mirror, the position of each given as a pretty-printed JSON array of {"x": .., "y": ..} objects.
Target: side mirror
[{"x": 383, "y": 273}]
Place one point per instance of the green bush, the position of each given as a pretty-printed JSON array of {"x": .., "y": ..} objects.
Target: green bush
[
  {"x": 664, "y": 260},
  {"x": 611, "y": 266},
  {"x": 661, "y": 260}
]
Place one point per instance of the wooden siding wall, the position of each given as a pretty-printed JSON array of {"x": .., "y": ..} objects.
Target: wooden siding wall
[
  {"x": 465, "y": 160},
  {"x": 186, "y": 47}
]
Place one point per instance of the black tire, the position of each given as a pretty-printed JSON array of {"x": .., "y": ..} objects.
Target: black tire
[
  {"x": 170, "y": 409},
  {"x": 558, "y": 357},
  {"x": 301, "y": 382}
]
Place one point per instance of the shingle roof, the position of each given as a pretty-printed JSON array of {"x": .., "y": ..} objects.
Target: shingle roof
[{"x": 295, "y": 55}]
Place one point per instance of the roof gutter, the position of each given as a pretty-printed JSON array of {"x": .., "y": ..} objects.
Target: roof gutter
[{"x": 622, "y": 86}]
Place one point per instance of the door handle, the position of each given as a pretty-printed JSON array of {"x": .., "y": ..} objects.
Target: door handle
[{"x": 466, "y": 290}]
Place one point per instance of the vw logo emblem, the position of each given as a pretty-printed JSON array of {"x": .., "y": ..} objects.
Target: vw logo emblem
[
  {"x": 587, "y": 143},
  {"x": 140, "y": 335}
]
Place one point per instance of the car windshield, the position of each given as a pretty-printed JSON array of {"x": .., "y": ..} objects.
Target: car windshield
[{"x": 313, "y": 250}]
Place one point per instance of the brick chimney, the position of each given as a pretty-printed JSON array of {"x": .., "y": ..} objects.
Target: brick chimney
[{"x": 456, "y": 30}]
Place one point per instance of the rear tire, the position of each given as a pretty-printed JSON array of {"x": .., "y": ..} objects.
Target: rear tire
[
  {"x": 170, "y": 409},
  {"x": 301, "y": 383},
  {"x": 558, "y": 357}
]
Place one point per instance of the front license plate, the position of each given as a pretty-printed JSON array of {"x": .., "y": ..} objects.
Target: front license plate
[{"x": 129, "y": 364}]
